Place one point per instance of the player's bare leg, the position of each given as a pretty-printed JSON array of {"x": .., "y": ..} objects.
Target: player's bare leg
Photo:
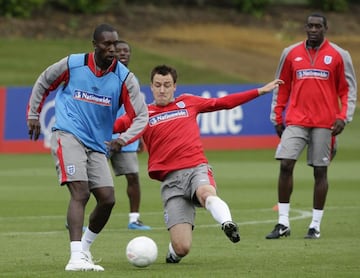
[
  {"x": 134, "y": 195},
  {"x": 285, "y": 188},
  {"x": 181, "y": 240},
  {"x": 320, "y": 193}
]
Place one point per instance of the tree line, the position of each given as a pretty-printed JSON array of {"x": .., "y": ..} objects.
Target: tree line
[{"x": 27, "y": 8}]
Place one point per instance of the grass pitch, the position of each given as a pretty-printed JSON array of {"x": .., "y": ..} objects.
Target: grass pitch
[{"x": 34, "y": 241}]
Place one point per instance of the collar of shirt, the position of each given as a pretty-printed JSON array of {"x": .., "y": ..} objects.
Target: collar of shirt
[{"x": 92, "y": 65}]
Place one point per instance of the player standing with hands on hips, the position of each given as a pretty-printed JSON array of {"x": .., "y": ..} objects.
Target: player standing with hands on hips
[
  {"x": 319, "y": 97},
  {"x": 177, "y": 159},
  {"x": 92, "y": 86},
  {"x": 125, "y": 162}
]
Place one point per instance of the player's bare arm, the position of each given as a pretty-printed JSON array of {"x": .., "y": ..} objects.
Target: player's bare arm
[{"x": 270, "y": 86}]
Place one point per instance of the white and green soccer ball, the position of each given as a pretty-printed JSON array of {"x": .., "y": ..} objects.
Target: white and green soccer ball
[{"x": 141, "y": 251}]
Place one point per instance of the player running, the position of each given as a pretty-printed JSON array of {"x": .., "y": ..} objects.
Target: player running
[{"x": 91, "y": 87}]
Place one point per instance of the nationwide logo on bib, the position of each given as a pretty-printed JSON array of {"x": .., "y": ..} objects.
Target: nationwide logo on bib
[{"x": 93, "y": 98}]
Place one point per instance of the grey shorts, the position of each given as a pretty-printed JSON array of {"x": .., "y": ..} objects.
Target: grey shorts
[
  {"x": 320, "y": 144},
  {"x": 75, "y": 162},
  {"x": 178, "y": 193},
  {"x": 124, "y": 163}
]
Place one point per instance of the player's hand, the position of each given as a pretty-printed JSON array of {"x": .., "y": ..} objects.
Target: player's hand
[
  {"x": 34, "y": 129},
  {"x": 141, "y": 147},
  {"x": 279, "y": 129},
  {"x": 270, "y": 86},
  {"x": 338, "y": 127},
  {"x": 115, "y": 145}
]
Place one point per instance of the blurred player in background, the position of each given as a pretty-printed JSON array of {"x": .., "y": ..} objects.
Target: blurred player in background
[
  {"x": 91, "y": 87},
  {"x": 319, "y": 97},
  {"x": 125, "y": 162},
  {"x": 177, "y": 159}
]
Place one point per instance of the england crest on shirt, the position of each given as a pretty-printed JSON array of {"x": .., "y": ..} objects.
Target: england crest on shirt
[
  {"x": 327, "y": 60},
  {"x": 180, "y": 104}
]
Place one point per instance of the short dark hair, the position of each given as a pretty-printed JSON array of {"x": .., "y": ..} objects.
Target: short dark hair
[
  {"x": 319, "y": 15},
  {"x": 163, "y": 70},
  {"x": 102, "y": 28},
  {"x": 124, "y": 42}
]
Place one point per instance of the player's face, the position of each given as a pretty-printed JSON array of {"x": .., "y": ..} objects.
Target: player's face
[
  {"x": 315, "y": 30},
  {"x": 163, "y": 89},
  {"x": 105, "y": 49},
  {"x": 123, "y": 53}
]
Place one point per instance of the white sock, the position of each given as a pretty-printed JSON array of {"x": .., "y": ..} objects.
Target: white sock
[
  {"x": 218, "y": 209},
  {"x": 75, "y": 250},
  {"x": 172, "y": 252},
  {"x": 133, "y": 217},
  {"x": 317, "y": 215},
  {"x": 87, "y": 239},
  {"x": 284, "y": 209}
]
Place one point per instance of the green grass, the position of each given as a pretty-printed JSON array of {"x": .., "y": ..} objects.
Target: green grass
[
  {"x": 34, "y": 242},
  {"x": 23, "y": 67}
]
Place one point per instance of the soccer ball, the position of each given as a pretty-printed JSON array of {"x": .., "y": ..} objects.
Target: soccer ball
[{"x": 141, "y": 251}]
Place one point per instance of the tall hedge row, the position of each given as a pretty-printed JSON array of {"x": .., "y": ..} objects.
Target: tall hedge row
[{"x": 26, "y": 8}]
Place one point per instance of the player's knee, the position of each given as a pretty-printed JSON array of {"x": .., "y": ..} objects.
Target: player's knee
[
  {"x": 181, "y": 248},
  {"x": 105, "y": 197},
  {"x": 287, "y": 166},
  {"x": 133, "y": 179},
  {"x": 203, "y": 192},
  {"x": 109, "y": 202}
]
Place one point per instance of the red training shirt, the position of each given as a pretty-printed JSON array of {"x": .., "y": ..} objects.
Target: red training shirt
[
  {"x": 172, "y": 135},
  {"x": 320, "y": 86}
]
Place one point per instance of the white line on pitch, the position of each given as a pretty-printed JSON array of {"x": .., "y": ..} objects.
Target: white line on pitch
[{"x": 302, "y": 215}]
